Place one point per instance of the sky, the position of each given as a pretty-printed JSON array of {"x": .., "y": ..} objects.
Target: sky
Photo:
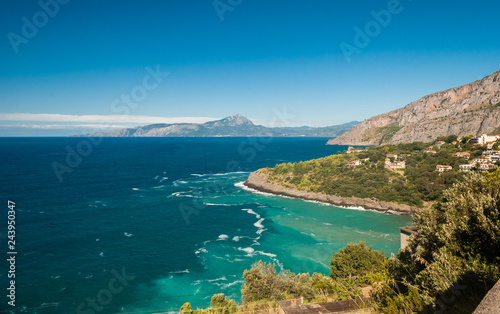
[{"x": 74, "y": 67}]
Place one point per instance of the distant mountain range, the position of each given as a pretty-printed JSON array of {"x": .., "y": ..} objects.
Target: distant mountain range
[
  {"x": 471, "y": 109},
  {"x": 235, "y": 125}
]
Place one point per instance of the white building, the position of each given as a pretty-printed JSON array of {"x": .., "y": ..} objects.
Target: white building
[
  {"x": 467, "y": 167},
  {"x": 486, "y": 138}
]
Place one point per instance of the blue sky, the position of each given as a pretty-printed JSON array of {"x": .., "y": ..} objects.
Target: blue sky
[{"x": 70, "y": 73}]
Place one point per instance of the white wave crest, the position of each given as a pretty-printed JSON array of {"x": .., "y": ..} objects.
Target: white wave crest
[
  {"x": 248, "y": 250},
  {"x": 259, "y": 224},
  {"x": 223, "y": 237}
]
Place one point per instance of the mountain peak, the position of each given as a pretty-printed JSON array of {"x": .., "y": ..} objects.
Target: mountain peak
[{"x": 235, "y": 120}]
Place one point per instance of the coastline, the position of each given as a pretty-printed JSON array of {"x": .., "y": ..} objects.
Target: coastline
[{"x": 257, "y": 180}]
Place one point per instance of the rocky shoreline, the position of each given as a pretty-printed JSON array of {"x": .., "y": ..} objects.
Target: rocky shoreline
[{"x": 258, "y": 181}]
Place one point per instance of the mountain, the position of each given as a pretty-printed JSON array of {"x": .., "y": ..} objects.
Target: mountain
[
  {"x": 471, "y": 109},
  {"x": 235, "y": 125}
]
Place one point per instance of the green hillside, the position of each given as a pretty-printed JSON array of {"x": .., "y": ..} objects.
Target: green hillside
[{"x": 418, "y": 183}]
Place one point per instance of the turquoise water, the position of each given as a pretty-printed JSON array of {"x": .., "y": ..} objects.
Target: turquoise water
[{"x": 170, "y": 216}]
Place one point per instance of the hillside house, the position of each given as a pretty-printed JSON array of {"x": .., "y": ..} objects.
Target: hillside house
[
  {"x": 395, "y": 165},
  {"x": 467, "y": 167},
  {"x": 356, "y": 162},
  {"x": 486, "y": 167},
  {"x": 483, "y": 160},
  {"x": 430, "y": 152},
  {"x": 351, "y": 149},
  {"x": 465, "y": 155},
  {"x": 442, "y": 168},
  {"x": 439, "y": 143},
  {"x": 486, "y": 138},
  {"x": 353, "y": 163}
]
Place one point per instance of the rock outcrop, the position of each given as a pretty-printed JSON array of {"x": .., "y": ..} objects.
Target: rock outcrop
[
  {"x": 258, "y": 180},
  {"x": 471, "y": 109}
]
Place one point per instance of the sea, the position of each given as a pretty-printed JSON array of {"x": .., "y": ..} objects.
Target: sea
[{"x": 143, "y": 225}]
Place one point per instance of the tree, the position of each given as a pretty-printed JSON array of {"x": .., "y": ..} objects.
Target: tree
[
  {"x": 457, "y": 244},
  {"x": 186, "y": 308},
  {"x": 222, "y": 304},
  {"x": 356, "y": 260},
  {"x": 259, "y": 282}
]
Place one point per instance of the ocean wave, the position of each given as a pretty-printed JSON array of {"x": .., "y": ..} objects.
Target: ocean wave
[
  {"x": 136, "y": 189},
  {"x": 248, "y": 250},
  {"x": 227, "y": 285},
  {"x": 259, "y": 224},
  {"x": 223, "y": 237},
  {"x": 251, "y": 212},
  {"x": 185, "y": 271},
  {"x": 327, "y": 224},
  {"x": 246, "y": 188},
  {"x": 202, "y": 250},
  {"x": 127, "y": 234},
  {"x": 180, "y": 194},
  {"x": 101, "y": 254},
  {"x": 223, "y": 278},
  {"x": 213, "y": 204},
  {"x": 266, "y": 254},
  {"x": 229, "y": 173}
]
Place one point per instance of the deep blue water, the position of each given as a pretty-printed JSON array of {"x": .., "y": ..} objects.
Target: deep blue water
[{"x": 141, "y": 224}]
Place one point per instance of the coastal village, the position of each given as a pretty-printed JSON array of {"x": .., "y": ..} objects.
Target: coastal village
[{"x": 487, "y": 161}]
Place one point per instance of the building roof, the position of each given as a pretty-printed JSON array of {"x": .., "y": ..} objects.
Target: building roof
[{"x": 408, "y": 230}]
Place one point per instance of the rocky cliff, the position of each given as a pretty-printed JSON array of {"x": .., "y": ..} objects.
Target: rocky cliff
[{"x": 470, "y": 109}]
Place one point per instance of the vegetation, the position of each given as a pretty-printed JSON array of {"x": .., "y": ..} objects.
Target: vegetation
[
  {"x": 454, "y": 259},
  {"x": 415, "y": 185},
  {"x": 356, "y": 260},
  {"x": 447, "y": 267}
]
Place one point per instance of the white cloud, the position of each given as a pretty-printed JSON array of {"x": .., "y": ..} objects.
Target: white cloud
[
  {"x": 65, "y": 126},
  {"x": 105, "y": 119}
]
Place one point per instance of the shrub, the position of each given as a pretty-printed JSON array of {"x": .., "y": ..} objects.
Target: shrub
[{"x": 356, "y": 260}]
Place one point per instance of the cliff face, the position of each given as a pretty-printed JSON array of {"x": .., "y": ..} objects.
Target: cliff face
[{"x": 470, "y": 109}]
